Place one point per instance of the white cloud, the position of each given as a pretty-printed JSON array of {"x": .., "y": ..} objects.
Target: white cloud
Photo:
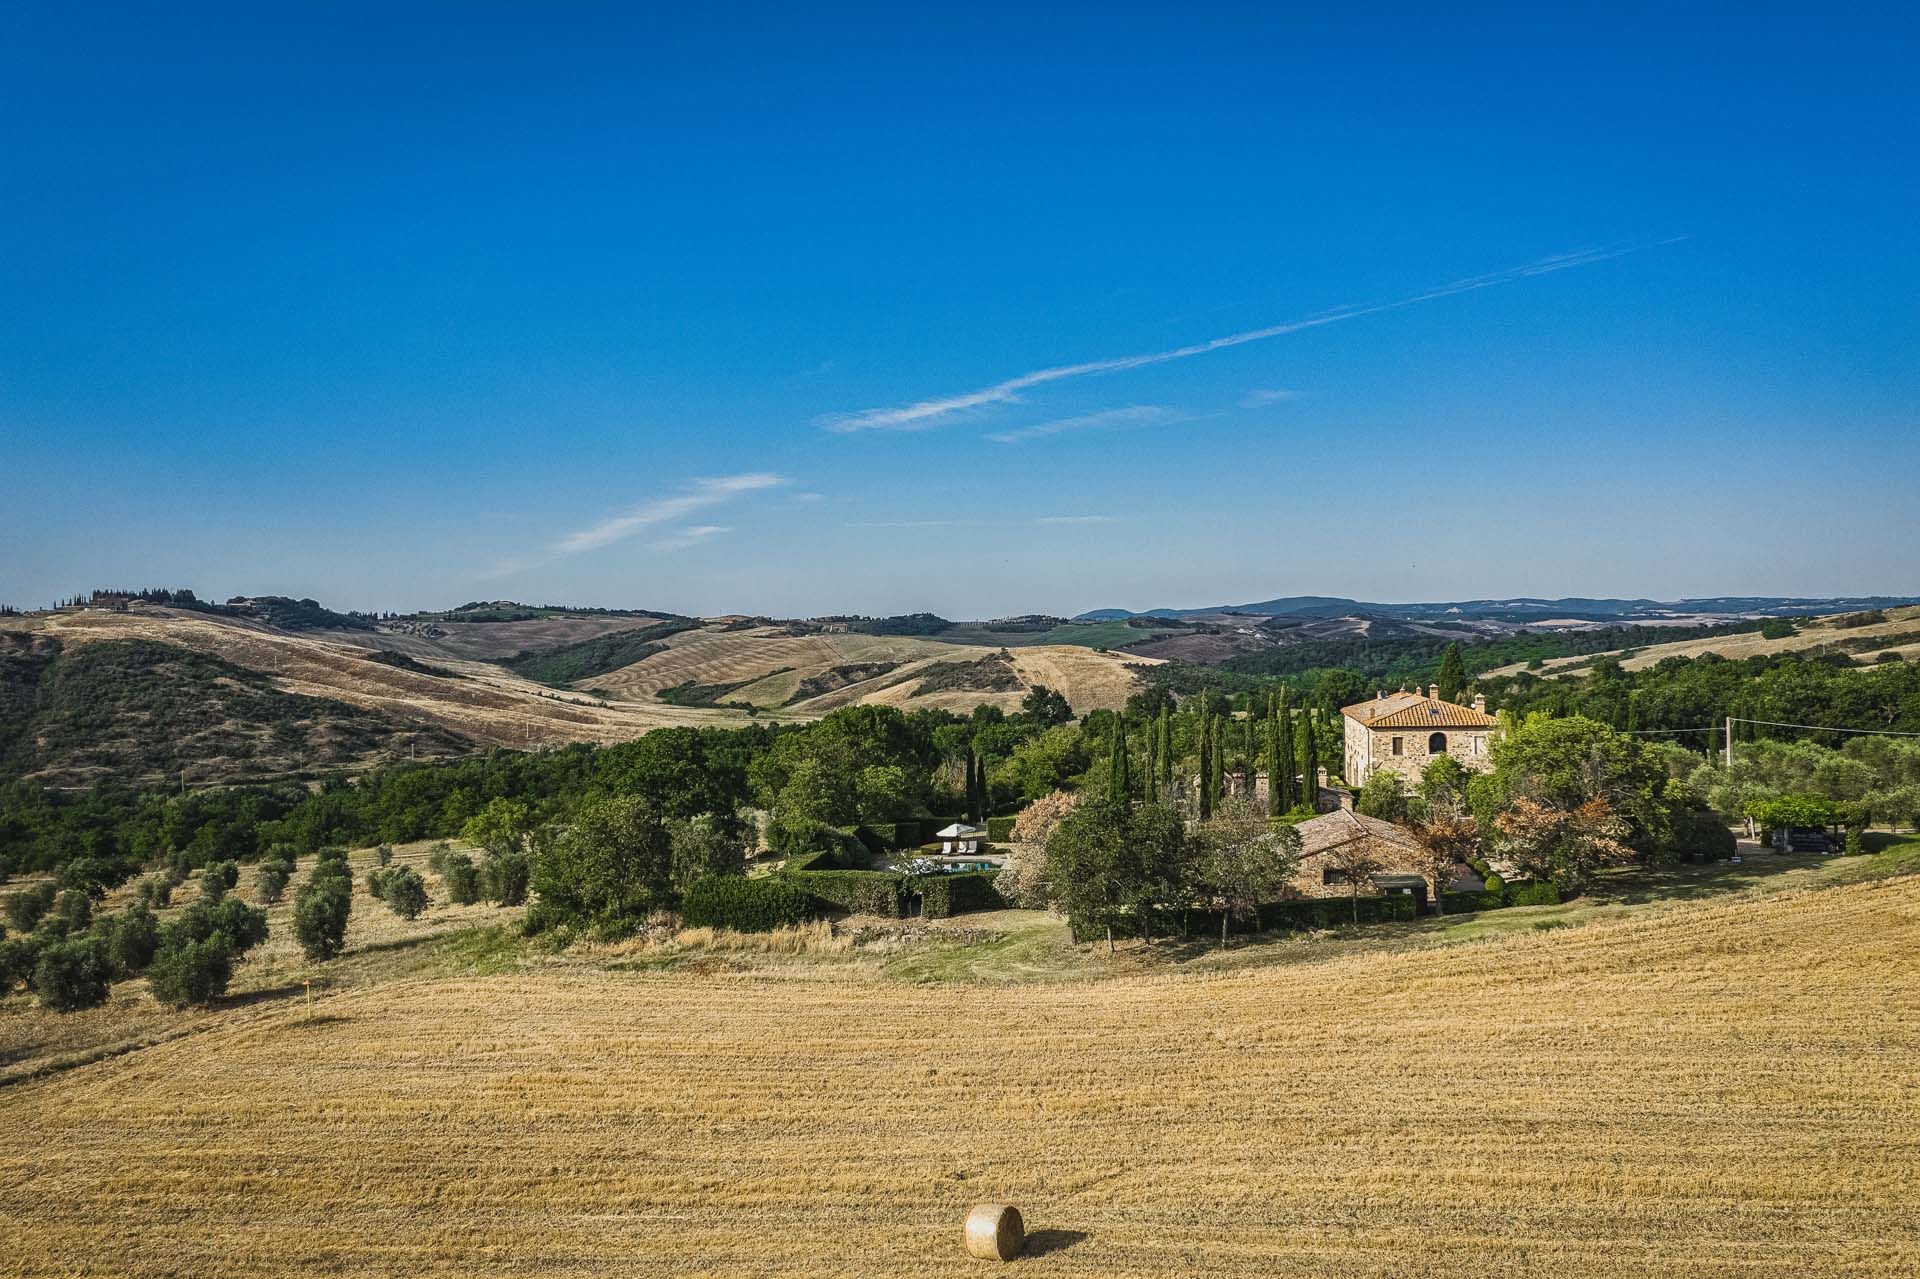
[
  {"x": 1132, "y": 415},
  {"x": 1260, "y": 397},
  {"x": 699, "y": 495},
  {"x": 921, "y": 415},
  {"x": 683, "y": 538}
]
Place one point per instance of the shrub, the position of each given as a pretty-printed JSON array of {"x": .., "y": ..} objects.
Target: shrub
[
  {"x": 437, "y": 857},
  {"x": 6, "y": 870},
  {"x": 1000, "y": 829},
  {"x": 1854, "y": 846},
  {"x": 132, "y": 941},
  {"x": 74, "y": 910},
  {"x": 505, "y": 878},
  {"x": 156, "y": 891},
  {"x": 73, "y": 974},
  {"x": 942, "y": 896},
  {"x": 406, "y": 892},
  {"x": 270, "y": 885},
  {"x": 461, "y": 879},
  {"x": 1495, "y": 884},
  {"x": 377, "y": 883},
  {"x": 18, "y": 955},
  {"x": 242, "y": 925},
  {"x": 217, "y": 879},
  {"x": 1462, "y": 903},
  {"x": 745, "y": 905},
  {"x": 1538, "y": 893},
  {"x": 26, "y": 908},
  {"x": 383, "y": 855},
  {"x": 191, "y": 972},
  {"x": 320, "y": 912},
  {"x": 1699, "y": 832}
]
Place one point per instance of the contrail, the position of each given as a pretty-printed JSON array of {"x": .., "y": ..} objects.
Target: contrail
[{"x": 923, "y": 414}]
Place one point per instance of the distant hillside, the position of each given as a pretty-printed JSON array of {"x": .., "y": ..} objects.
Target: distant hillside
[
  {"x": 1860, "y": 638},
  {"x": 1525, "y": 610},
  {"x": 134, "y": 710},
  {"x": 597, "y": 656}
]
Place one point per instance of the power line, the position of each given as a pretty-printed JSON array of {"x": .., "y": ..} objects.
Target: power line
[{"x": 1827, "y": 728}]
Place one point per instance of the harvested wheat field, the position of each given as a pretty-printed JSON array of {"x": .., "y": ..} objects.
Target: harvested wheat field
[{"x": 1712, "y": 1089}]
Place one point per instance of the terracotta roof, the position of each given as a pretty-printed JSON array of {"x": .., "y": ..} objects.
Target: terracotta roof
[
  {"x": 1412, "y": 710},
  {"x": 1330, "y": 830}
]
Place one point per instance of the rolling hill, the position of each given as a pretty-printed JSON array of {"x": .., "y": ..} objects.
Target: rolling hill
[
  {"x": 225, "y": 697},
  {"x": 1843, "y": 635}
]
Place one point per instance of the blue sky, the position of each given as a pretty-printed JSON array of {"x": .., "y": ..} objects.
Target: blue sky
[{"x": 738, "y": 310}]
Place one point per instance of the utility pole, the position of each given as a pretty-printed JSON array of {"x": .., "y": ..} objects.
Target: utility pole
[{"x": 1729, "y": 743}]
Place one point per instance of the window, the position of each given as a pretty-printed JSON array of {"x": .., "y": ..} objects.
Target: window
[
  {"x": 1437, "y": 744},
  {"x": 1332, "y": 875},
  {"x": 1399, "y": 745}
]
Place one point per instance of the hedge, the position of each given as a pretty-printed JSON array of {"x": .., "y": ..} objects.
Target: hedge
[
  {"x": 745, "y": 905},
  {"x": 1540, "y": 893},
  {"x": 1331, "y": 912},
  {"x": 858, "y": 892},
  {"x": 1000, "y": 829},
  {"x": 1463, "y": 903},
  {"x": 880, "y": 837},
  {"x": 944, "y": 895}
]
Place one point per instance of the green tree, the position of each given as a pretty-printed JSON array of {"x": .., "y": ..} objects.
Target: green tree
[
  {"x": 188, "y": 972},
  {"x": 1106, "y": 860},
  {"x": 1306, "y": 752},
  {"x": 502, "y": 827},
  {"x": 1452, "y": 675},
  {"x": 73, "y": 974},
  {"x": 1045, "y": 707},
  {"x": 406, "y": 892},
  {"x": 320, "y": 912},
  {"x": 614, "y": 862},
  {"x": 1383, "y": 796},
  {"x": 1242, "y": 862},
  {"x": 461, "y": 879},
  {"x": 1119, "y": 778},
  {"x": 703, "y": 846}
]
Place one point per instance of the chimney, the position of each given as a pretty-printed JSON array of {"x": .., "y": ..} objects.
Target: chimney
[
  {"x": 1346, "y": 800},
  {"x": 1433, "y": 691},
  {"x": 1480, "y": 702}
]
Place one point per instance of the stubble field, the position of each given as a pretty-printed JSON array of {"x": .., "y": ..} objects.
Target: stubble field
[{"x": 1718, "y": 1088}]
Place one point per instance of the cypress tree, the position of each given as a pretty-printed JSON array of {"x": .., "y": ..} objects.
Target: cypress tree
[
  {"x": 1452, "y": 675},
  {"x": 1283, "y": 750},
  {"x": 1152, "y": 778},
  {"x": 1276, "y": 793},
  {"x": 1117, "y": 780},
  {"x": 1166, "y": 750},
  {"x": 1309, "y": 765},
  {"x": 1206, "y": 761},
  {"x": 1217, "y": 759}
]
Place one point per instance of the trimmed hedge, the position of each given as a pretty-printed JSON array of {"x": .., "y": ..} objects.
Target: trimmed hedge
[
  {"x": 942, "y": 896},
  {"x": 1463, "y": 903},
  {"x": 745, "y": 905},
  {"x": 883, "y": 837},
  {"x": 1331, "y": 912},
  {"x": 1000, "y": 829},
  {"x": 858, "y": 892},
  {"x": 1541, "y": 893}
]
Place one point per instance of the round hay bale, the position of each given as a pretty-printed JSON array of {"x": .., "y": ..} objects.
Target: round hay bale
[{"x": 995, "y": 1232}]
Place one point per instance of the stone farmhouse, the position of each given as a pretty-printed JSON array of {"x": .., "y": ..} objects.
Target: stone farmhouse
[
  {"x": 1403, "y": 731},
  {"x": 1393, "y": 848}
]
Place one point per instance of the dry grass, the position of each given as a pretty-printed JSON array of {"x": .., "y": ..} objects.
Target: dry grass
[{"x": 1715, "y": 1088}]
